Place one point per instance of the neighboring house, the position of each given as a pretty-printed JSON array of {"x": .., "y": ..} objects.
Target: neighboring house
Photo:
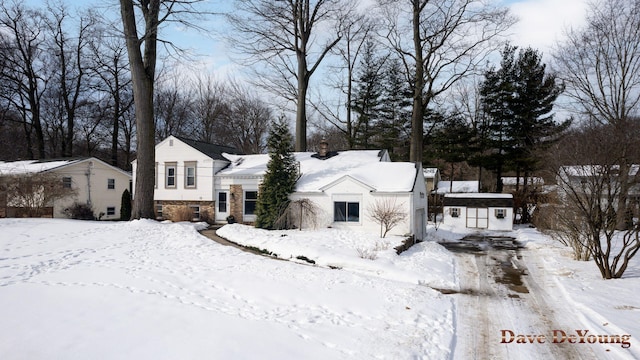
[
  {"x": 432, "y": 178},
  {"x": 533, "y": 183},
  {"x": 185, "y": 171},
  {"x": 92, "y": 181},
  {"x": 344, "y": 185},
  {"x": 479, "y": 210},
  {"x": 585, "y": 177},
  {"x": 446, "y": 187}
]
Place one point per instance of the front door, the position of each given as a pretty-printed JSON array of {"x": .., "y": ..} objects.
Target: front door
[
  {"x": 222, "y": 205},
  {"x": 478, "y": 218}
]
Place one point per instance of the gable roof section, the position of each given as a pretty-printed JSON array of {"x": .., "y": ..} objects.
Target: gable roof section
[
  {"x": 32, "y": 166},
  {"x": 38, "y": 166},
  {"x": 430, "y": 173},
  {"x": 213, "y": 151},
  {"x": 365, "y": 166}
]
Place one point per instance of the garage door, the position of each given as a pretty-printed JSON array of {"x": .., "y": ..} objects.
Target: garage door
[{"x": 478, "y": 218}]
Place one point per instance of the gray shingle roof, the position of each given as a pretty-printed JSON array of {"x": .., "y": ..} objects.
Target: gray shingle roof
[{"x": 212, "y": 150}]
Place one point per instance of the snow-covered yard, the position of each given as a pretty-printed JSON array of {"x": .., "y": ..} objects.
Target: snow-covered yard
[
  {"x": 142, "y": 289},
  {"x": 146, "y": 290}
]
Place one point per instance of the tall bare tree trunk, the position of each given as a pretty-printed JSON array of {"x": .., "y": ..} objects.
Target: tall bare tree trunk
[
  {"x": 417, "y": 115},
  {"x": 301, "y": 111},
  {"x": 143, "y": 76}
]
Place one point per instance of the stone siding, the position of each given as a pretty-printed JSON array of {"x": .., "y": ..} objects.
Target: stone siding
[
  {"x": 236, "y": 202},
  {"x": 171, "y": 209}
]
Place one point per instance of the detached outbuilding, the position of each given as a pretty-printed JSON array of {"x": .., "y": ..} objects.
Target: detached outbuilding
[{"x": 479, "y": 211}]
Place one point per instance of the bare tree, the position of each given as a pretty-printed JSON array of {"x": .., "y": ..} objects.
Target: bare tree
[
  {"x": 32, "y": 193},
  {"x": 211, "y": 109},
  {"x": 440, "y": 42},
  {"x": 142, "y": 50},
  {"x": 299, "y": 213},
  {"x": 593, "y": 192},
  {"x": 358, "y": 31},
  {"x": 24, "y": 75},
  {"x": 70, "y": 78},
  {"x": 112, "y": 82},
  {"x": 387, "y": 213},
  {"x": 249, "y": 122},
  {"x": 173, "y": 110},
  {"x": 287, "y": 37},
  {"x": 600, "y": 65}
]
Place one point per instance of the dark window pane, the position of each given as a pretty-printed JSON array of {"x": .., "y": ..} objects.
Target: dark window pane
[
  {"x": 353, "y": 212},
  {"x": 250, "y": 198},
  {"x": 222, "y": 202},
  {"x": 339, "y": 211}
]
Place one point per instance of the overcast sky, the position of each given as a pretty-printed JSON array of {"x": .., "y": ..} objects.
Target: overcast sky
[
  {"x": 542, "y": 22},
  {"x": 541, "y": 25}
]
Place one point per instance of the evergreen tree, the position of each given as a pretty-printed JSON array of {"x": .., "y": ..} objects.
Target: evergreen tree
[
  {"x": 518, "y": 99},
  {"x": 497, "y": 93},
  {"x": 125, "y": 205},
  {"x": 367, "y": 97},
  {"x": 280, "y": 179},
  {"x": 394, "y": 125},
  {"x": 453, "y": 142}
]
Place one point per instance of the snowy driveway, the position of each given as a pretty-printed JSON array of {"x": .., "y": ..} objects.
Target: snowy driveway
[{"x": 510, "y": 307}]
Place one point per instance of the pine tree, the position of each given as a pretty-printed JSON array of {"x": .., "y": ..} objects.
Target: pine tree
[
  {"x": 453, "y": 142},
  {"x": 280, "y": 179},
  {"x": 125, "y": 205},
  {"x": 367, "y": 97},
  {"x": 497, "y": 92},
  {"x": 518, "y": 99},
  {"x": 394, "y": 126}
]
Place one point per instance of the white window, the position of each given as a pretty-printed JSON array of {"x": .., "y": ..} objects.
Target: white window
[
  {"x": 250, "y": 200},
  {"x": 159, "y": 211},
  {"x": 344, "y": 211},
  {"x": 170, "y": 175},
  {"x": 66, "y": 182},
  {"x": 454, "y": 212},
  {"x": 501, "y": 213},
  {"x": 111, "y": 210},
  {"x": 190, "y": 175},
  {"x": 111, "y": 184}
]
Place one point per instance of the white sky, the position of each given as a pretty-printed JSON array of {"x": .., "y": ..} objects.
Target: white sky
[{"x": 542, "y": 22}]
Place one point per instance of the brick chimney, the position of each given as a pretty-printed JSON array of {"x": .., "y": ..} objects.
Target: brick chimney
[{"x": 324, "y": 148}]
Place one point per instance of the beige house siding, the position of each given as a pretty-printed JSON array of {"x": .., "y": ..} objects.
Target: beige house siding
[{"x": 90, "y": 179}]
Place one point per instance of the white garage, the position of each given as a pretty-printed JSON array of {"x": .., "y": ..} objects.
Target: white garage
[{"x": 479, "y": 211}]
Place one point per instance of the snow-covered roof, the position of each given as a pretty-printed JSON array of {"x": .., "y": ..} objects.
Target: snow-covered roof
[
  {"x": 445, "y": 187},
  {"x": 480, "y": 196},
  {"x": 511, "y": 180},
  {"x": 362, "y": 165},
  {"x": 593, "y": 170},
  {"x": 430, "y": 173},
  {"x": 31, "y": 166}
]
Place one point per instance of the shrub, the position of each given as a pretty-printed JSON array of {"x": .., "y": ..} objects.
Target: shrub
[
  {"x": 80, "y": 211},
  {"x": 125, "y": 205},
  {"x": 182, "y": 213},
  {"x": 206, "y": 216}
]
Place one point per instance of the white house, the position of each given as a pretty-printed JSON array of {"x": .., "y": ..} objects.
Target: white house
[
  {"x": 184, "y": 177},
  {"x": 94, "y": 183},
  {"x": 344, "y": 185},
  {"x": 479, "y": 210}
]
